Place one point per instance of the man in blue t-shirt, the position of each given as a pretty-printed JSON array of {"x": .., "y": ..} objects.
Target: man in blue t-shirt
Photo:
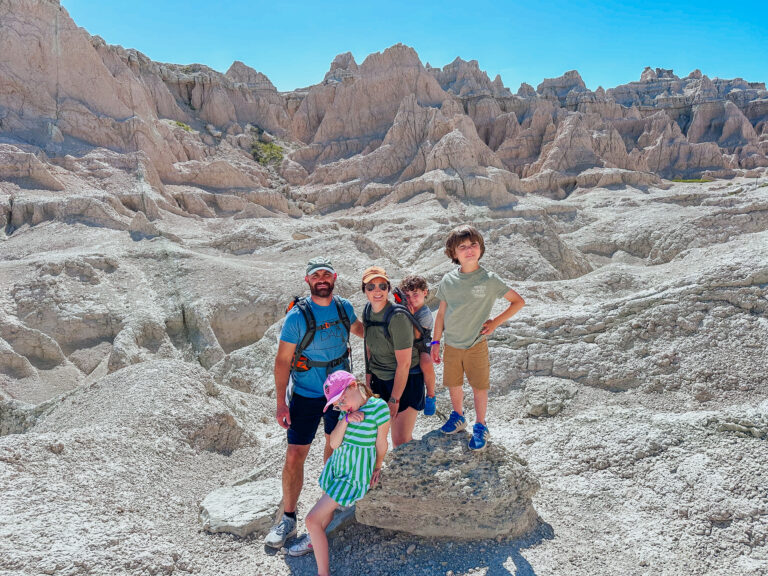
[{"x": 301, "y": 414}]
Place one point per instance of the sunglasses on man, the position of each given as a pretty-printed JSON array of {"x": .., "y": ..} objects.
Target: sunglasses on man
[{"x": 371, "y": 286}]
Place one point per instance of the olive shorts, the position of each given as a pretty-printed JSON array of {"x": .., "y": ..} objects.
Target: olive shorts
[{"x": 473, "y": 362}]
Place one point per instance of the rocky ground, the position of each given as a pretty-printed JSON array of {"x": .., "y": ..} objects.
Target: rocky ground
[
  {"x": 136, "y": 378},
  {"x": 155, "y": 220}
]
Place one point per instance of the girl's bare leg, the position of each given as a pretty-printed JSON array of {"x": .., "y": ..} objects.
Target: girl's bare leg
[{"x": 317, "y": 521}]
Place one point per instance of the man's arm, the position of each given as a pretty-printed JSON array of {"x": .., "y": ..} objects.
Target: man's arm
[
  {"x": 357, "y": 329},
  {"x": 283, "y": 360},
  {"x": 516, "y": 302}
]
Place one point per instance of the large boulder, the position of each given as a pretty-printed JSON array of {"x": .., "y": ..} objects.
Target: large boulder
[
  {"x": 243, "y": 509},
  {"x": 436, "y": 486},
  {"x": 252, "y": 507}
]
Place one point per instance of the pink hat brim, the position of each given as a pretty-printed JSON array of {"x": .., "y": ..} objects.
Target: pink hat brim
[{"x": 335, "y": 398}]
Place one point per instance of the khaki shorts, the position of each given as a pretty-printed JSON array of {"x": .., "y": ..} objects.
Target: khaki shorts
[{"x": 473, "y": 362}]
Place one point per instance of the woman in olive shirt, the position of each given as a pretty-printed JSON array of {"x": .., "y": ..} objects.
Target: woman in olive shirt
[{"x": 393, "y": 363}]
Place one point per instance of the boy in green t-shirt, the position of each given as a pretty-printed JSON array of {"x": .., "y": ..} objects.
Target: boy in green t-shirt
[{"x": 467, "y": 296}]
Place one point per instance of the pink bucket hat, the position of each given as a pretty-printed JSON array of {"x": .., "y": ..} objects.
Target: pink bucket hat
[{"x": 335, "y": 385}]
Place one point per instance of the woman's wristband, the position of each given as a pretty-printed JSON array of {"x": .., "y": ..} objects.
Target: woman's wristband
[{"x": 434, "y": 342}]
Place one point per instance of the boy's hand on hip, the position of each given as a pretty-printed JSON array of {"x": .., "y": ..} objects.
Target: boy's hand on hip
[{"x": 488, "y": 327}]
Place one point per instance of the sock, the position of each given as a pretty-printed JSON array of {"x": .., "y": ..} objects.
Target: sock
[{"x": 291, "y": 515}]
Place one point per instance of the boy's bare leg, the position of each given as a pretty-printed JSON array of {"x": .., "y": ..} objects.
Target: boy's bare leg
[
  {"x": 457, "y": 399},
  {"x": 428, "y": 369},
  {"x": 481, "y": 405}
]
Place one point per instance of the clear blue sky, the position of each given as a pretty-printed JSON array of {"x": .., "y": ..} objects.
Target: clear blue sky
[{"x": 294, "y": 42}]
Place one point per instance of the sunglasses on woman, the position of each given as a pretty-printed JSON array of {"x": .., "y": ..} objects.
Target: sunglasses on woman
[{"x": 371, "y": 286}]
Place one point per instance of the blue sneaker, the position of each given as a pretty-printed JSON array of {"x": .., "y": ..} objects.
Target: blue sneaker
[
  {"x": 456, "y": 423},
  {"x": 479, "y": 438},
  {"x": 430, "y": 405}
]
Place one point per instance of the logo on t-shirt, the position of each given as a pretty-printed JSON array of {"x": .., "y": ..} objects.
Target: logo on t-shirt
[
  {"x": 478, "y": 291},
  {"x": 329, "y": 335}
]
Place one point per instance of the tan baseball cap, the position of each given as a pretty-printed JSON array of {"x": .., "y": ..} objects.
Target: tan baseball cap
[{"x": 374, "y": 272}]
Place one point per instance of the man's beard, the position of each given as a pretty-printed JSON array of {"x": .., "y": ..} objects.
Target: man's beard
[{"x": 323, "y": 290}]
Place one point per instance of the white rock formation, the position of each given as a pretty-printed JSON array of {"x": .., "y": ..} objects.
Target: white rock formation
[
  {"x": 243, "y": 509},
  {"x": 146, "y": 259}
]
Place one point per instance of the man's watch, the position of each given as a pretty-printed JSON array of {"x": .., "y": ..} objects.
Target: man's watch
[{"x": 393, "y": 400}]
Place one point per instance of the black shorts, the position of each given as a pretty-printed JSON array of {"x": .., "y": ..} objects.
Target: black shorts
[
  {"x": 413, "y": 394},
  {"x": 305, "y": 416}
]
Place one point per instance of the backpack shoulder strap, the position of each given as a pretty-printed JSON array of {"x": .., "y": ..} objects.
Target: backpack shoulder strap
[
  {"x": 309, "y": 319},
  {"x": 366, "y": 323},
  {"x": 342, "y": 314},
  {"x": 367, "y": 315},
  {"x": 400, "y": 309}
]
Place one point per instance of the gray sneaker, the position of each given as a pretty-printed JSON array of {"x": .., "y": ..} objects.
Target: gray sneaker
[
  {"x": 302, "y": 546},
  {"x": 280, "y": 532}
]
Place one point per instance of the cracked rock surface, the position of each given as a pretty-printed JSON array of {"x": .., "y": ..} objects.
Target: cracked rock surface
[{"x": 136, "y": 379}]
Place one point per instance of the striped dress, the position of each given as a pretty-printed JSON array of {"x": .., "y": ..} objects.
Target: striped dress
[{"x": 347, "y": 474}]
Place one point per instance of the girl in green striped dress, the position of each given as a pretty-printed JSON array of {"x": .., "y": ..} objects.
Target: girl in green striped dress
[{"x": 359, "y": 444}]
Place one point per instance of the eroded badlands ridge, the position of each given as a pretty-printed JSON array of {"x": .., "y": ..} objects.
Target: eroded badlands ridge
[{"x": 74, "y": 110}]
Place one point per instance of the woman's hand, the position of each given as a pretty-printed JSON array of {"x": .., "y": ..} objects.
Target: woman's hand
[
  {"x": 393, "y": 409},
  {"x": 356, "y": 416},
  {"x": 375, "y": 477}
]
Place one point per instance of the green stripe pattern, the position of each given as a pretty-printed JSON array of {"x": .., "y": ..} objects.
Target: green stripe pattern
[{"x": 347, "y": 474}]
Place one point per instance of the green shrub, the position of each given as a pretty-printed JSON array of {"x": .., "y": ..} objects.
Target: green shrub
[
  {"x": 183, "y": 126},
  {"x": 691, "y": 180},
  {"x": 266, "y": 153}
]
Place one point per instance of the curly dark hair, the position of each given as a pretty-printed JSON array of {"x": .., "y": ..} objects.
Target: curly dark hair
[{"x": 413, "y": 282}]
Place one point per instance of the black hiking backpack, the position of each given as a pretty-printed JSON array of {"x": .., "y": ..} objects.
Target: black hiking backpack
[
  {"x": 421, "y": 343},
  {"x": 302, "y": 363}
]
